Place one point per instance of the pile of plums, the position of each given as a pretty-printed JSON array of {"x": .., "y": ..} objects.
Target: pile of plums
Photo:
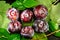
[{"x": 40, "y": 25}]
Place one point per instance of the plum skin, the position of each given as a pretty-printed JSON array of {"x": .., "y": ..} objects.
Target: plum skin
[
  {"x": 13, "y": 14},
  {"x": 40, "y": 26},
  {"x": 40, "y": 12},
  {"x": 27, "y": 31},
  {"x": 26, "y": 15},
  {"x": 14, "y": 27}
]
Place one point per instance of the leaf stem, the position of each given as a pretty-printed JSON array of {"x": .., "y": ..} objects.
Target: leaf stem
[
  {"x": 53, "y": 32},
  {"x": 57, "y": 1},
  {"x": 3, "y": 37}
]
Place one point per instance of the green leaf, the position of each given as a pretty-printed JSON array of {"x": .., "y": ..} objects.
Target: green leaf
[
  {"x": 55, "y": 13},
  {"x": 53, "y": 26},
  {"x": 39, "y": 36},
  {"x": 1, "y": 20},
  {"x": 55, "y": 19},
  {"x": 30, "y": 3},
  {"x": 3, "y": 32},
  {"x": 18, "y": 5},
  {"x": 5, "y": 23},
  {"x": 14, "y": 37},
  {"x": 20, "y": 0},
  {"x": 23, "y": 4},
  {"x": 23, "y": 38},
  {"x": 3, "y": 38},
  {"x": 3, "y": 9}
]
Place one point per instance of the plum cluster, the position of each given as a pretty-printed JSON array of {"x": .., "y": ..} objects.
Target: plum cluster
[{"x": 39, "y": 25}]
